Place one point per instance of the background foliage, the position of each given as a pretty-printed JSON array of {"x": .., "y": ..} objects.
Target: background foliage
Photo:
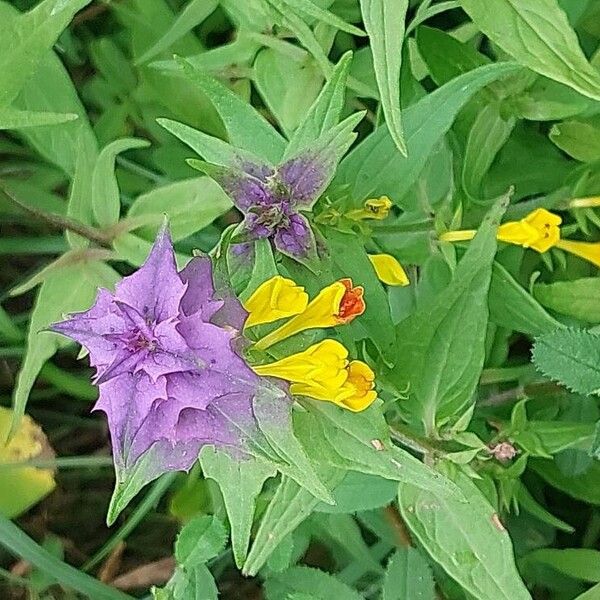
[{"x": 475, "y": 112}]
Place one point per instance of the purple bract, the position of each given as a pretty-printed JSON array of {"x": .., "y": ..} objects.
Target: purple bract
[
  {"x": 271, "y": 199},
  {"x": 170, "y": 379}
]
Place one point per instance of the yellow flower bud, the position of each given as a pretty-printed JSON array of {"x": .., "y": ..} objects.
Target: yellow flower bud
[
  {"x": 336, "y": 304},
  {"x": 374, "y": 208},
  {"x": 275, "y": 299},
  {"x": 388, "y": 269}
]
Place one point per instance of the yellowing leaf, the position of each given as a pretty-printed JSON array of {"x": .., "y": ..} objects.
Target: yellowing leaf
[{"x": 22, "y": 487}]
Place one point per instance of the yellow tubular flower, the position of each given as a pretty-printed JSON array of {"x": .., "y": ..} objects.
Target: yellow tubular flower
[
  {"x": 388, "y": 269},
  {"x": 589, "y": 251},
  {"x": 539, "y": 230},
  {"x": 336, "y": 304},
  {"x": 275, "y": 299},
  {"x": 360, "y": 384},
  {"x": 374, "y": 208},
  {"x": 322, "y": 372},
  {"x": 322, "y": 367}
]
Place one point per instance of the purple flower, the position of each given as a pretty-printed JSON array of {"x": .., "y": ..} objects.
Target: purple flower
[
  {"x": 170, "y": 379},
  {"x": 272, "y": 198}
]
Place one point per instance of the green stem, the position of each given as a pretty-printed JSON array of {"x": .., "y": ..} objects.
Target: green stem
[
  {"x": 490, "y": 376},
  {"x": 157, "y": 491},
  {"x": 12, "y": 351},
  {"x": 408, "y": 439},
  {"x": 64, "y": 462},
  {"x": 60, "y": 222}
]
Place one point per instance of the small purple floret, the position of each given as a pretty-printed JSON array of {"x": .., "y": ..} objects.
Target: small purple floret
[
  {"x": 271, "y": 197},
  {"x": 170, "y": 379}
]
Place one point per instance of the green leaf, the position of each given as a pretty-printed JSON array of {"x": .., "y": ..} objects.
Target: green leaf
[
  {"x": 529, "y": 504},
  {"x": 425, "y": 124},
  {"x": 291, "y": 20},
  {"x": 247, "y": 129},
  {"x": 548, "y": 100},
  {"x": 194, "y": 583},
  {"x": 487, "y": 135},
  {"x": 69, "y": 289},
  {"x": 342, "y": 533},
  {"x": 360, "y": 442},
  {"x": 311, "y": 9},
  {"x": 201, "y": 539},
  {"x": 384, "y": 22},
  {"x": 26, "y": 40},
  {"x": 513, "y": 308},
  {"x": 295, "y": 462},
  {"x": 211, "y": 148},
  {"x": 539, "y": 36},
  {"x": 19, "y": 544},
  {"x": 579, "y": 139},
  {"x": 289, "y": 507},
  {"x": 445, "y": 56},
  {"x": 585, "y": 487},
  {"x": 264, "y": 267},
  {"x": 79, "y": 205},
  {"x": 325, "y": 111},
  {"x": 106, "y": 201},
  {"x": 191, "y": 16},
  {"x": 278, "y": 78},
  {"x": 579, "y": 298},
  {"x": 11, "y": 118},
  {"x": 306, "y": 580},
  {"x": 50, "y": 89},
  {"x": 190, "y": 206},
  {"x": 465, "y": 538},
  {"x": 442, "y": 344},
  {"x": 592, "y": 594},
  {"x": 571, "y": 357},
  {"x": 408, "y": 577},
  {"x": 579, "y": 563},
  {"x": 360, "y": 491},
  {"x": 240, "y": 483}
]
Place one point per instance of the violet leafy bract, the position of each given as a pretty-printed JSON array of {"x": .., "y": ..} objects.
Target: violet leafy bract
[
  {"x": 170, "y": 379},
  {"x": 273, "y": 198}
]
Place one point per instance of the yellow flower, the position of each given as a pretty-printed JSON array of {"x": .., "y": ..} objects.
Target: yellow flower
[
  {"x": 589, "y": 251},
  {"x": 337, "y": 304},
  {"x": 322, "y": 372},
  {"x": 360, "y": 384},
  {"x": 321, "y": 367},
  {"x": 374, "y": 208},
  {"x": 275, "y": 299},
  {"x": 388, "y": 269},
  {"x": 539, "y": 230}
]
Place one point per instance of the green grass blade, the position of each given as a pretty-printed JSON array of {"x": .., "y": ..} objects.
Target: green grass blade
[{"x": 20, "y": 544}]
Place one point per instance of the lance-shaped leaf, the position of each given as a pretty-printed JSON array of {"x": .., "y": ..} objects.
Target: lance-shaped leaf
[
  {"x": 442, "y": 344},
  {"x": 25, "y": 41}
]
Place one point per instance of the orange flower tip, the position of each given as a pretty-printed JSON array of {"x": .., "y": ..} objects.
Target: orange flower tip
[{"x": 352, "y": 303}]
